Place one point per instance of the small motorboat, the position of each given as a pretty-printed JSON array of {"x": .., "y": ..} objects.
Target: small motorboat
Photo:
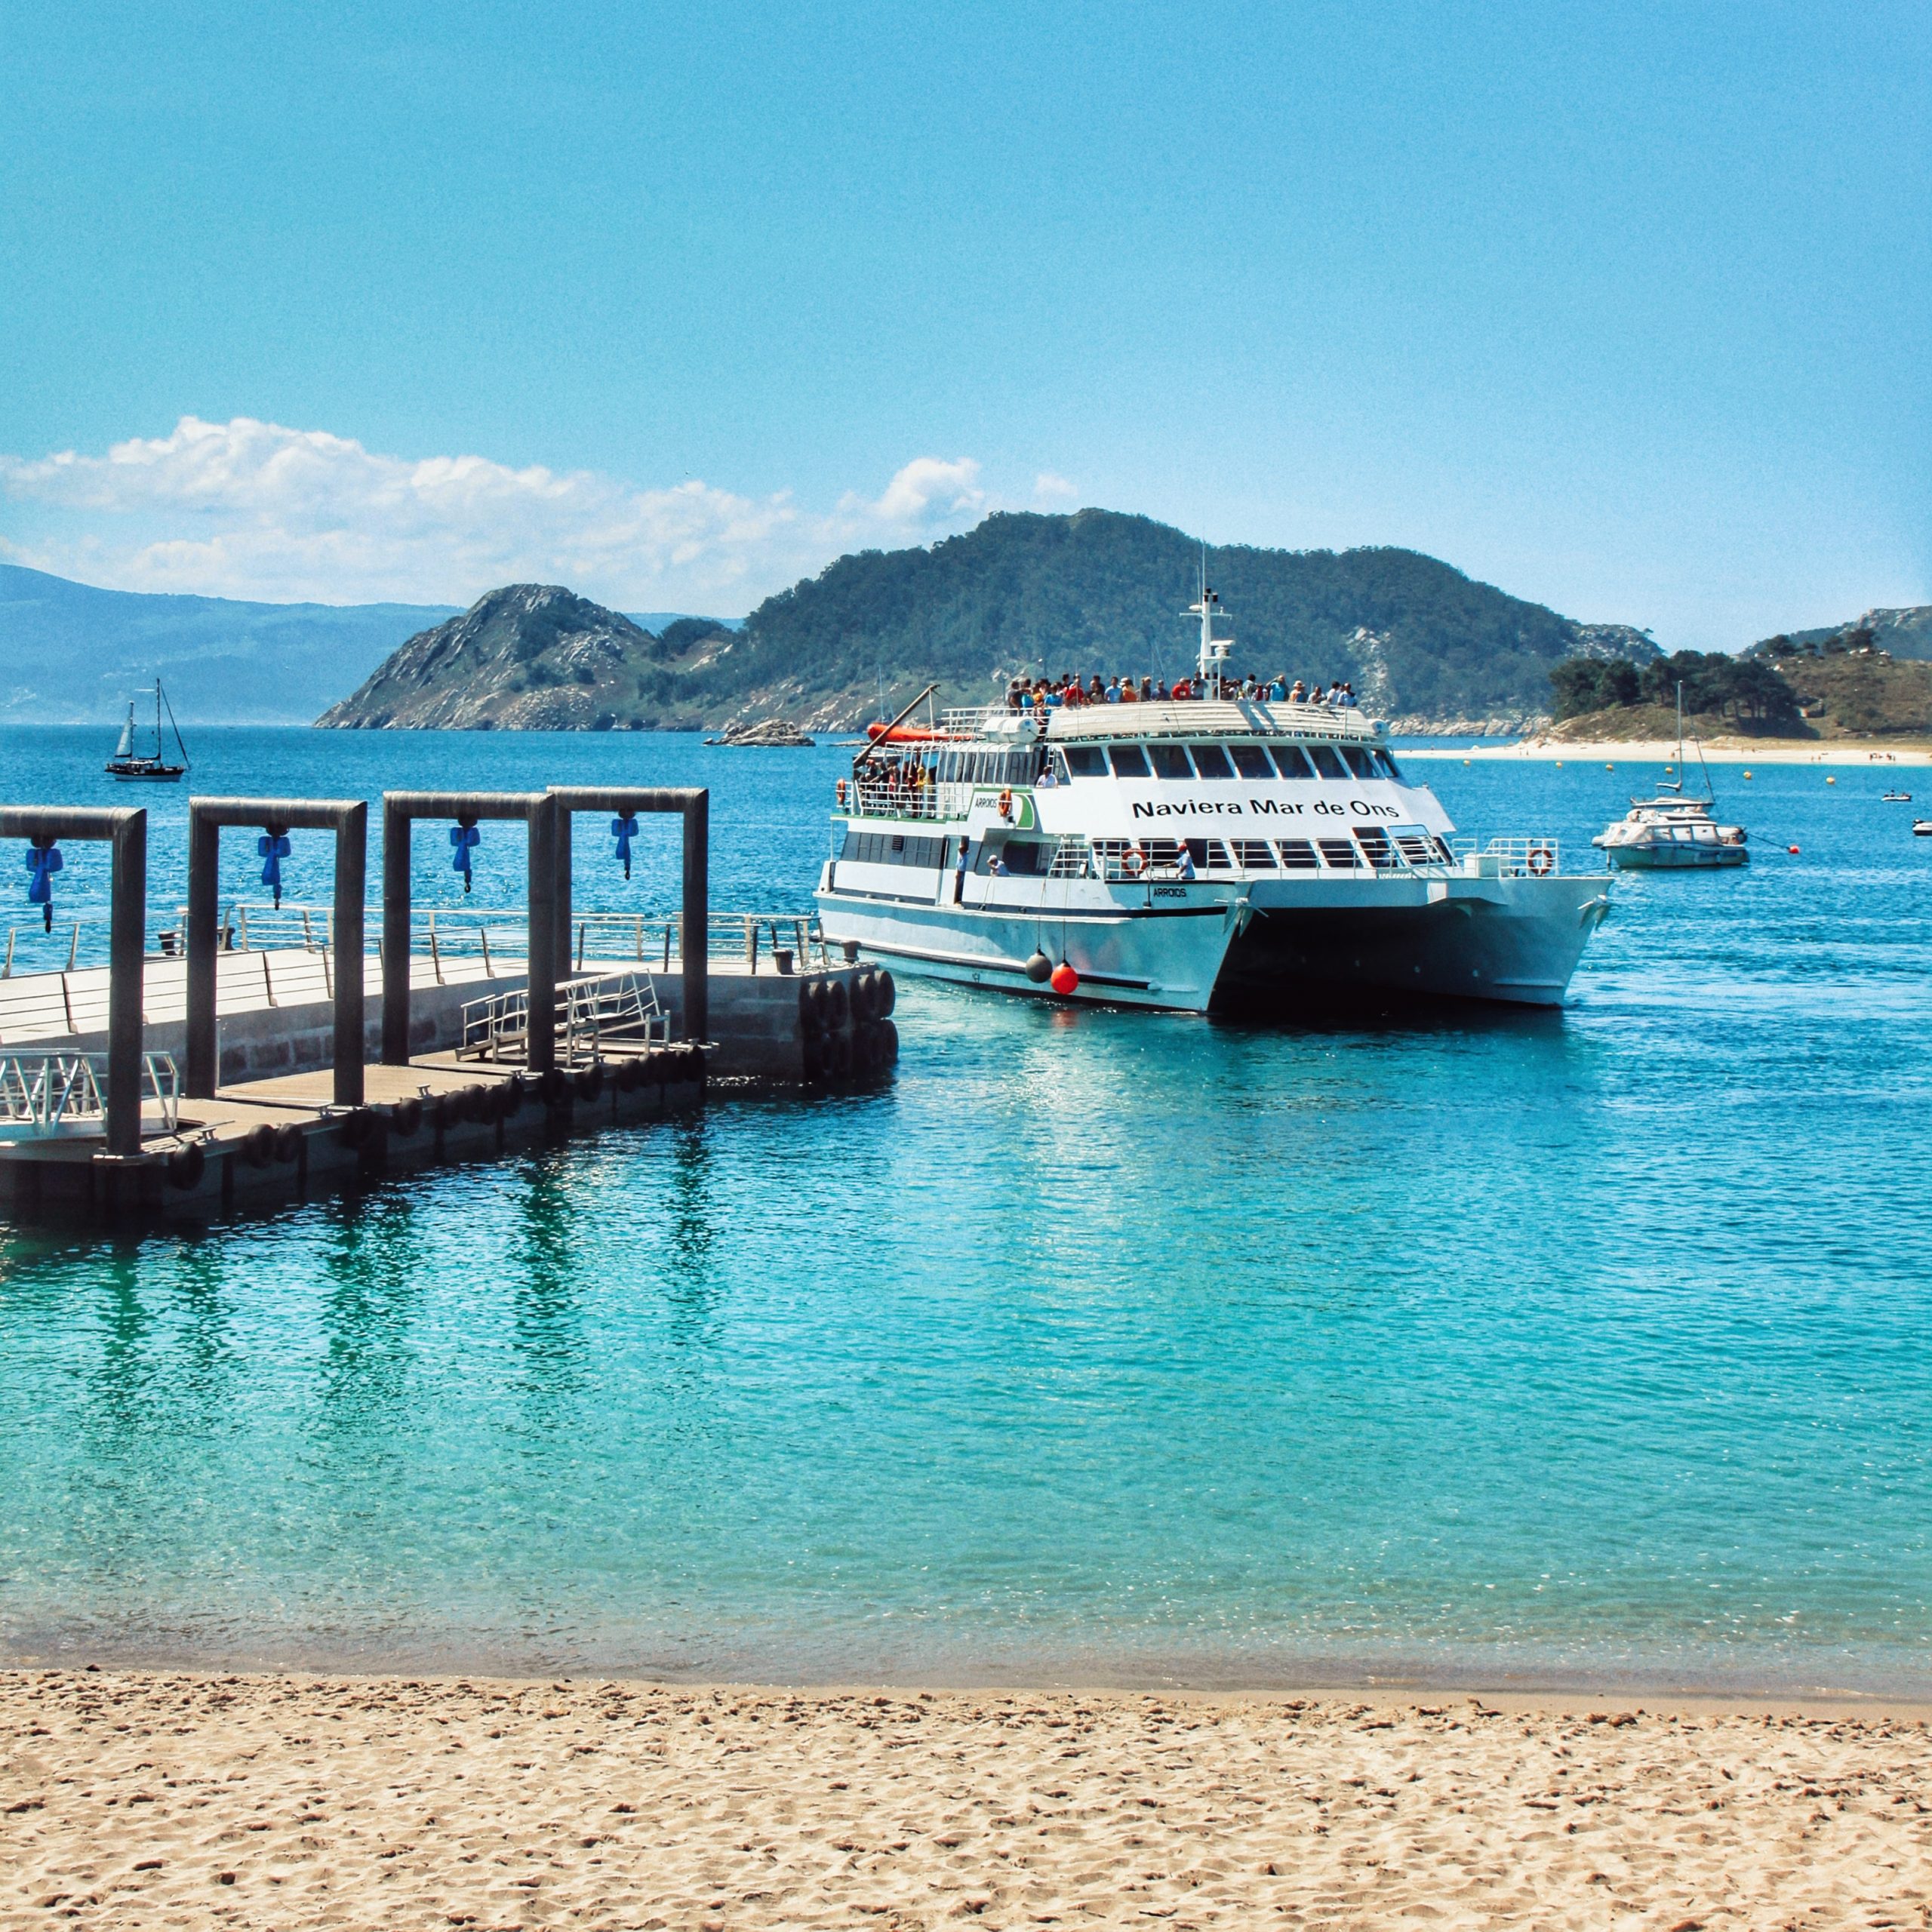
[
  {"x": 1921, "y": 828},
  {"x": 1669, "y": 832},
  {"x": 1898, "y": 798},
  {"x": 128, "y": 763}
]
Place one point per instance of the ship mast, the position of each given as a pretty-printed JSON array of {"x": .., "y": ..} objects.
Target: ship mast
[{"x": 1213, "y": 651}]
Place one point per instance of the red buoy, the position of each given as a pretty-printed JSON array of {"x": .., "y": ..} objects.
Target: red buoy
[
  {"x": 1792, "y": 850},
  {"x": 1065, "y": 978}
]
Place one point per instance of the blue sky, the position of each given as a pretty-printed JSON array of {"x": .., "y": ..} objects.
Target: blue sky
[{"x": 1625, "y": 309}]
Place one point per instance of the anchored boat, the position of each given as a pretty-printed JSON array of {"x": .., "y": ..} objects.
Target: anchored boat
[
  {"x": 126, "y": 763},
  {"x": 1220, "y": 852},
  {"x": 1669, "y": 831}
]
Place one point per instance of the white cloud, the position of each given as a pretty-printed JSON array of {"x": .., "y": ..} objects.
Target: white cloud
[
  {"x": 1048, "y": 488},
  {"x": 929, "y": 491},
  {"x": 256, "y": 509}
]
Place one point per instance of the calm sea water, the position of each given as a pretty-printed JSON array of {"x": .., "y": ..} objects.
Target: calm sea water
[{"x": 1559, "y": 1348}]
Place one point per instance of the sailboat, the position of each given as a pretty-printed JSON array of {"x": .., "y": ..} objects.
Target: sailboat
[
  {"x": 1669, "y": 831},
  {"x": 127, "y": 763}
]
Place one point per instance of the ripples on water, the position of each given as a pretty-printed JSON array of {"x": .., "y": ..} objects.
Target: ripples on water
[{"x": 1535, "y": 1347}]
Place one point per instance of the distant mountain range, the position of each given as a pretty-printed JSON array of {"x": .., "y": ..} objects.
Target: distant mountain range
[
  {"x": 1423, "y": 645},
  {"x": 73, "y": 654}
]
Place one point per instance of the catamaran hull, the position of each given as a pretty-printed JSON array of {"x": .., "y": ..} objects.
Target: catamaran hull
[
  {"x": 1125, "y": 956},
  {"x": 1519, "y": 947},
  {"x": 1268, "y": 952}
]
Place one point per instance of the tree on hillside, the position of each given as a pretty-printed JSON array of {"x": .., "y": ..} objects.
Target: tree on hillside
[
  {"x": 1585, "y": 685},
  {"x": 1744, "y": 688}
]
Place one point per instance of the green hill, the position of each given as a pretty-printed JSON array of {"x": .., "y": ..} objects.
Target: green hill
[{"x": 1424, "y": 645}]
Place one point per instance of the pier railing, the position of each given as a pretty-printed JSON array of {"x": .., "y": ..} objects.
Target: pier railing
[
  {"x": 486, "y": 934},
  {"x": 45, "y": 1096}
]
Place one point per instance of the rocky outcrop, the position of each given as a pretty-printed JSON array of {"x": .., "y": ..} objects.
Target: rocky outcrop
[
  {"x": 530, "y": 657},
  {"x": 770, "y": 731}
]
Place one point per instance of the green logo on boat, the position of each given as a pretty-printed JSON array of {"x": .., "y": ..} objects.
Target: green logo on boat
[{"x": 1022, "y": 819}]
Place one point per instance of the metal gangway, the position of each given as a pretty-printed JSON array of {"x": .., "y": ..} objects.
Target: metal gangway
[
  {"x": 593, "y": 1010},
  {"x": 47, "y": 1096}
]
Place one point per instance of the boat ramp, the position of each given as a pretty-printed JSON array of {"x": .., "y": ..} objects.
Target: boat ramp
[{"x": 236, "y": 1058}]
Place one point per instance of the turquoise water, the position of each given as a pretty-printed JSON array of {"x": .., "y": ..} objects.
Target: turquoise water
[{"x": 1551, "y": 1348}]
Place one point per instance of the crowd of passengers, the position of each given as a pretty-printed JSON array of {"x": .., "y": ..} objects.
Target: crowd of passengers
[{"x": 1043, "y": 694}]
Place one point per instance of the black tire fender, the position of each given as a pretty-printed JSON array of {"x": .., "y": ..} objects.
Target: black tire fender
[{"x": 186, "y": 1165}]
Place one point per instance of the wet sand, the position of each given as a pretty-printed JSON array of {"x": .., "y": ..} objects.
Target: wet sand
[{"x": 158, "y": 1799}]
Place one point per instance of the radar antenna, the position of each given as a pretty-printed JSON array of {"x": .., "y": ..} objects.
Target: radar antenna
[{"x": 1213, "y": 651}]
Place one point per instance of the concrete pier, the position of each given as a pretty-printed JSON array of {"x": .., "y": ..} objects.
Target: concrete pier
[{"x": 315, "y": 1066}]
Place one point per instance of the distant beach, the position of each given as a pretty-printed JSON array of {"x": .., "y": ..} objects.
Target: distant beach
[
  {"x": 1825, "y": 752},
  {"x": 298, "y": 1801}
]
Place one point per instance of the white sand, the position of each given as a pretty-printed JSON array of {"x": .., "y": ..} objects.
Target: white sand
[
  {"x": 1543, "y": 751},
  {"x": 132, "y": 1799}
]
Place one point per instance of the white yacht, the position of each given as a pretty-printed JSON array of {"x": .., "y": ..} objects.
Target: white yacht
[
  {"x": 1670, "y": 831},
  {"x": 1218, "y": 851}
]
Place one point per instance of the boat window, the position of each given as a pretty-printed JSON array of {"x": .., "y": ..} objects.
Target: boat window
[
  {"x": 1360, "y": 763},
  {"x": 1026, "y": 856},
  {"x": 1059, "y": 764},
  {"x": 1170, "y": 762},
  {"x": 1211, "y": 762},
  {"x": 888, "y": 848},
  {"x": 1257, "y": 854},
  {"x": 1297, "y": 854},
  {"x": 1292, "y": 762},
  {"x": 1130, "y": 761},
  {"x": 1390, "y": 769},
  {"x": 1251, "y": 761},
  {"x": 1339, "y": 852},
  {"x": 1085, "y": 761},
  {"x": 1326, "y": 764},
  {"x": 1374, "y": 843},
  {"x": 1209, "y": 855}
]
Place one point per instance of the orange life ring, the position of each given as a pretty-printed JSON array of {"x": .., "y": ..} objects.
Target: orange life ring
[
  {"x": 1006, "y": 804},
  {"x": 1541, "y": 860},
  {"x": 1134, "y": 862},
  {"x": 841, "y": 792}
]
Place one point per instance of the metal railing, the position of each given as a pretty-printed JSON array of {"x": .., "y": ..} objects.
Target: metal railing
[
  {"x": 591, "y": 1009},
  {"x": 48, "y": 1096},
  {"x": 878, "y": 798},
  {"x": 1164, "y": 718},
  {"x": 1510, "y": 857},
  {"x": 1404, "y": 850}
]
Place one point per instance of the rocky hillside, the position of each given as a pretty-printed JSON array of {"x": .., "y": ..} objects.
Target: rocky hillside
[
  {"x": 1424, "y": 645},
  {"x": 531, "y": 657},
  {"x": 1905, "y": 632}
]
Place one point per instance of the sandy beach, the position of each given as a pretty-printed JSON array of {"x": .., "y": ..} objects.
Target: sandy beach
[
  {"x": 1720, "y": 750},
  {"x": 171, "y": 1800}
]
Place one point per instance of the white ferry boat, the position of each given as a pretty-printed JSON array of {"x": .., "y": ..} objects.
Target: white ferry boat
[{"x": 1219, "y": 851}]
